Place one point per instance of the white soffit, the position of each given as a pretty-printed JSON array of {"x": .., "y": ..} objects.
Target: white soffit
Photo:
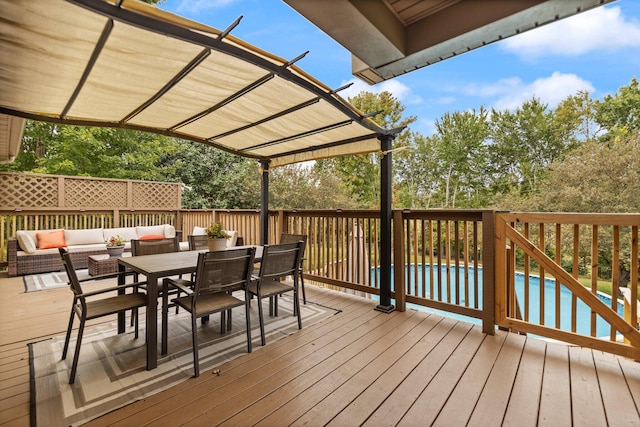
[{"x": 95, "y": 63}]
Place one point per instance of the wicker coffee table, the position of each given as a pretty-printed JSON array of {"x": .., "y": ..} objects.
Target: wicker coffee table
[{"x": 104, "y": 264}]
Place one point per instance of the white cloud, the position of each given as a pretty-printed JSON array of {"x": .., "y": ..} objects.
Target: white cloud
[
  {"x": 400, "y": 91},
  {"x": 196, "y": 6},
  {"x": 599, "y": 29},
  {"x": 512, "y": 92}
]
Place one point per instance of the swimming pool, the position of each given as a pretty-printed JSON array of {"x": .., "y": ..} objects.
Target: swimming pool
[{"x": 583, "y": 312}]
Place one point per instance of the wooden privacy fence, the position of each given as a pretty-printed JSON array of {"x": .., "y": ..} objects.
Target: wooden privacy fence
[
  {"x": 550, "y": 251},
  {"x": 39, "y": 202}
]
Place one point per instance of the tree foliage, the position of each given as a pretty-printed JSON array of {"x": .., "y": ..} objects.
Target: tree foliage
[
  {"x": 620, "y": 114},
  {"x": 361, "y": 173}
]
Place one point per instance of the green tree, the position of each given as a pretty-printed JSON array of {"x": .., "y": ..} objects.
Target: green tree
[
  {"x": 593, "y": 178},
  {"x": 91, "y": 151},
  {"x": 620, "y": 114},
  {"x": 461, "y": 152},
  {"x": 417, "y": 175},
  {"x": 213, "y": 178},
  {"x": 301, "y": 186},
  {"x": 524, "y": 143},
  {"x": 575, "y": 117},
  {"x": 361, "y": 173}
]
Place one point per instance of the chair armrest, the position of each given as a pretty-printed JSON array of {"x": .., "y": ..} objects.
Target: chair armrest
[
  {"x": 106, "y": 276},
  {"x": 112, "y": 288},
  {"x": 176, "y": 284}
]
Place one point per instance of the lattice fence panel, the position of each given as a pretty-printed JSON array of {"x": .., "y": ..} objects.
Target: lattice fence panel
[
  {"x": 156, "y": 195},
  {"x": 28, "y": 191},
  {"x": 89, "y": 193}
]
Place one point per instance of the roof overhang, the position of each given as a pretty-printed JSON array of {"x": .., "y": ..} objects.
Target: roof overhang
[
  {"x": 388, "y": 38},
  {"x": 131, "y": 65}
]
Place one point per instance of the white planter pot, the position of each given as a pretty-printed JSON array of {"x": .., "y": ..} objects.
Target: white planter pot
[
  {"x": 217, "y": 244},
  {"x": 115, "y": 251}
]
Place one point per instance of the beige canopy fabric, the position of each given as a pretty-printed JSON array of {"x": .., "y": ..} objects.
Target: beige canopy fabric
[{"x": 131, "y": 65}]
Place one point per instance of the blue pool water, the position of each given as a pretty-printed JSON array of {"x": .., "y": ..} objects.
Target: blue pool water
[{"x": 583, "y": 311}]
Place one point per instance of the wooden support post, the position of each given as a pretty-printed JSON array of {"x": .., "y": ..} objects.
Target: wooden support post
[
  {"x": 493, "y": 251},
  {"x": 398, "y": 261}
]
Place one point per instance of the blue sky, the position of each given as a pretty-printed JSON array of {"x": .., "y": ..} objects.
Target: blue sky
[{"x": 596, "y": 51}]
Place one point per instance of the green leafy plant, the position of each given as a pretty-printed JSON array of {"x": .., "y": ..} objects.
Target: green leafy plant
[
  {"x": 215, "y": 231},
  {"x": 115, "y": 241}
]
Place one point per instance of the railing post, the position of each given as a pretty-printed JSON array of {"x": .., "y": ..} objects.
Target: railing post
[
  {"x": 398, "y": 260},
  {"x": 489, "y": 243}
]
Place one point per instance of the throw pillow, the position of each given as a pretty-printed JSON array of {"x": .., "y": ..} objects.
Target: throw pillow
[
  {"x": 26, "y": 242},
  {"x": 51, "y": 239},
  {"x": 151, "y": 237}
]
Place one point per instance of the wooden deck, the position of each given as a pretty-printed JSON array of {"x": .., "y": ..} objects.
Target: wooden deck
[{"x": 360, "y": 367}]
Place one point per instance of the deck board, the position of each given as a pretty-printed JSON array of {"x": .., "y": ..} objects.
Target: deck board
[
  {"x": 288, "y": 403},
  {"x": 359, "y": 367},
  {"x": 524, "y": 401},
  {"x": 585, "y": 391},
  {"x": 617, "y": 405},
  {"x": 555, "y": 399},
  {"x": 459, "y": 407},
  {"x": 457, "y": 350},
  {"x": 492, "y": 404}
]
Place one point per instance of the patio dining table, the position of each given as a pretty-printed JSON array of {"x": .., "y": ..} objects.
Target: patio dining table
[{"x": 155, "y": 267}]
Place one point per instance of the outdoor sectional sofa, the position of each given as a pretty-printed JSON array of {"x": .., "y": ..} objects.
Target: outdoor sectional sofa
[{"x": 25, "y": 256}]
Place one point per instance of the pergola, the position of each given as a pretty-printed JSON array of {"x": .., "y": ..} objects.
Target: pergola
[{"x": 126, "y": 64}]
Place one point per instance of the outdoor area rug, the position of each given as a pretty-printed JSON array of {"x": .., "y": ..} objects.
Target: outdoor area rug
[
  {"x": 56, "y": 279},
  {"x": 112, "y": 371}
]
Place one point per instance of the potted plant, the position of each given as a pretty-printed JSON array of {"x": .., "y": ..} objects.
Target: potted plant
[
  {"x": 115, "y": 246},
  {"x": 217, "y": 237}
]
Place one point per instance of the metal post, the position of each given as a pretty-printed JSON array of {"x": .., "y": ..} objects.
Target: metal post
[
  {"x": 264, "y": 203},
  {"x": 385, "y": 226}
]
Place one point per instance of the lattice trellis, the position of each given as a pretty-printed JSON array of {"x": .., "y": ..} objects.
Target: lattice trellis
[
  {"x": 83, "y": 193},
  {"x": 155, "y": 195},
  {"x": 28, "y": 191}
]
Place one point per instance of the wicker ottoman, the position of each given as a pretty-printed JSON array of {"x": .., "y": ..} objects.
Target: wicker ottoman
[{"x": 104, "y": 264}]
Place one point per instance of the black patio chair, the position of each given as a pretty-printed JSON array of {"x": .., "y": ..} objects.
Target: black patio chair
[
  {"x": 141, "y": 247},
  {"x": 278, "y": 262},
  {"x": 86, "y": 307},
  {"x": 218, "y": 275},
  {"x": 292, "y": 238},
  {"x": 198, "y": 242}
]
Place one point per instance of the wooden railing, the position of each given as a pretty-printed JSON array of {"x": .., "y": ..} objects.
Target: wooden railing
[
  {"x": 558, "y": 249},
  {"x": 447, "y": 255},
  {"x": 342, "y": 246},
  {"x": 460, "y": 261}
]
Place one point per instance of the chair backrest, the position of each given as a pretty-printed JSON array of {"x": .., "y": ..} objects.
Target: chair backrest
[
  {"x": 154, "y": 246},
  {"x": 223, "y": 271},
  {"x": 74, "y": 283},
  {"x": 198, "y": 242},
  {"x": 281, "y": 260},
  {"x": 294, "y": 238}
]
